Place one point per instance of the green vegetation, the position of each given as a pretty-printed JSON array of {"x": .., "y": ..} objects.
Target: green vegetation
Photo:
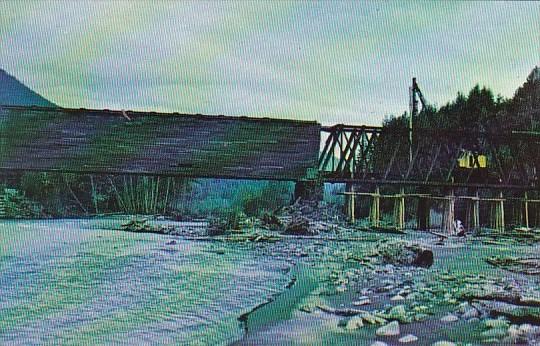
[
  {"x": 66, "y": 194},
  {"x": 14, "y": 204},
  {"x": 480, "y": 110},
  {"x": 144, "y": 195},
  {"x": 477, "y": 111},
  {"x": 229, "y": 220}
]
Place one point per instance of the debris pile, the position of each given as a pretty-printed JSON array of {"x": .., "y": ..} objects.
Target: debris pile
[
  {"x": 529, "y": 266},
  {"x": 143, "y": 225},
  {"x": 232, "y": 220},
  {"x": 138, "y": 225},
  {"x": 517, "y": 236},
  {"x": 298, "y": 225}
]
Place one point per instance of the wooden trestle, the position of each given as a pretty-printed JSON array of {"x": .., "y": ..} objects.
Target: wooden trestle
[{"x": 496, "y": 208}]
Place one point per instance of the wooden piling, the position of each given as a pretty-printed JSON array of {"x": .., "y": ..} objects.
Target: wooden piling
[
  {"x": 501, "y": 212},
  {"x": 402, "y": 208},
  {"x": 476, "y": 212},
  {"x": 497, "y": 213},
  {"x": 449, "y": 213},
  {"x": 423, "y": 219},
  {"x": 351, "y": 202},
  {"x": 526, "y": 209},
  {"x": 375, "y": 213},
  {"x": 399, "y": 210}
]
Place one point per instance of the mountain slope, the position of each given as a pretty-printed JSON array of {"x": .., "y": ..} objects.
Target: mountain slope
[{"x": 15, "y": 93}]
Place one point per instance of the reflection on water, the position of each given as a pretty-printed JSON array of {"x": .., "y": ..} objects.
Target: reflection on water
[{"x": 69, "y": 281}]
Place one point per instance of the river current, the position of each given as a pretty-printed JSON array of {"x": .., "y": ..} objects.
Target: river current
[{"x": 76, "y": 282}]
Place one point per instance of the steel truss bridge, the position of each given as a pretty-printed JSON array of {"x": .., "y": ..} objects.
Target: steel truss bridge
[{"x": 383, "y": 156}]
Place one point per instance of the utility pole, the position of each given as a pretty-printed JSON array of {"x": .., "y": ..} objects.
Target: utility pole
[
  {"x": 414, "y": 91},
  {"x": 412, "y": 107}
]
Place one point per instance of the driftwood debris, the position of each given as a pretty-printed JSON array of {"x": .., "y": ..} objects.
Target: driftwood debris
[
  {"x": 526, "y": 265},
  {"x": 504, "y": 297},
  {"x": 299, "y": 226},
  {"x": 341, "y": 312},
  {"x": 514, "y": 313}
]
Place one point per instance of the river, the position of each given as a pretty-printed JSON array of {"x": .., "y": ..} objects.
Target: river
[{"x": 78, "y": 282}]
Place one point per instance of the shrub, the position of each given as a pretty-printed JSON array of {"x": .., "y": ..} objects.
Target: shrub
[
  {"x": 255, "y": 201},
  {"x": 16, "y": 205},
  {"x": 232, "y": 219}
]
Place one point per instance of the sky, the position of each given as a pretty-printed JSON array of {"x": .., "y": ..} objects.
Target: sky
[{"x": 333, "y": 62}]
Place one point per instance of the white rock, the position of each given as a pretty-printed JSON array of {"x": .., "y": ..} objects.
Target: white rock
[
  {"x": 443, "y": 343},
  {"x": 449, "y": 318},
  {"x": 397, "y": 298},
  {"x": 408, "y": 338},
  {"x": 391, "y": 329},
  {"x": 513, "y": 331},
  {"x": 341, "y": 288},
  {"x": 379, "y": 343},
  {"x": 470, "y": 313},
  {"x": 354, "y": 323},
  {"x": 526, "y": 328},
  {"x": 362, "y": 302}
]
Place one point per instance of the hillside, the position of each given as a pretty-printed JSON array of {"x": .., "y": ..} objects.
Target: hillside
[{"x": 15, "y": 93}]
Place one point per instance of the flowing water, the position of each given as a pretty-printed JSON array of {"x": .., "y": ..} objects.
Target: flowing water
[{"x": 75, "y": 282}]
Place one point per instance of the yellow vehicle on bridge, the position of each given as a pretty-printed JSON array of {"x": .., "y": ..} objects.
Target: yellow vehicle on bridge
[{"x": 472, "y": 160}]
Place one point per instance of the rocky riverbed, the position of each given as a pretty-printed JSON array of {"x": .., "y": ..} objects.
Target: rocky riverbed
[{"x": 358, "y": 299}]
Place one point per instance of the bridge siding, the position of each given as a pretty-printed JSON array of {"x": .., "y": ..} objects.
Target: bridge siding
[{"x": 104, "y": 141}]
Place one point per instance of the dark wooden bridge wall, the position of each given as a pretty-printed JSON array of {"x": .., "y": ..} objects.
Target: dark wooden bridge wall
[{"x": 102, "y": 141}]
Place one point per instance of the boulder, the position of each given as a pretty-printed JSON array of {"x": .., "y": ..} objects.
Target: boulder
[
  {"x": 399, "y": 252},
  {"x": 399, "y": 313},
  {"x": 494, "y": 333},
  {"x": 408, "y": 338},
  {"x": 390, "y": 329},
  {"x": 364, "y": 301},
  {"x": 355, "y": 322},
  {"x": 470, "y": 313},
  {"x": 449, "y": 318}
]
